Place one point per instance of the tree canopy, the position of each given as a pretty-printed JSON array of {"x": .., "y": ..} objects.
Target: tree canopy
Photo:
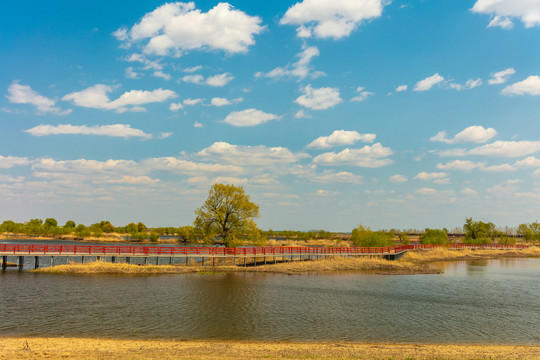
[{"x": 227, "y": 214}]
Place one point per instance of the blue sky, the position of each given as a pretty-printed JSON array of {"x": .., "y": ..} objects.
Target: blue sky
[{"x": 331, "y": 113}]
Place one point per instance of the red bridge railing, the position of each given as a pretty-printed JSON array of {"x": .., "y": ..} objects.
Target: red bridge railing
[{"x": 40, "y": 249}]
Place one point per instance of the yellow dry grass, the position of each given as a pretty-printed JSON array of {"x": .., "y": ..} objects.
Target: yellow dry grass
[
  {"x": 443, "y": 254},
  {"x": 104, "y": 349}
]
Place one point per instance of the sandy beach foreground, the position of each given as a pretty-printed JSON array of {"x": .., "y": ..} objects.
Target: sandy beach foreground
[{"x": 75, "y": 348}]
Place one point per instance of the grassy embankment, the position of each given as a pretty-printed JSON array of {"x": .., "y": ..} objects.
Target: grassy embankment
[
  {"x": 93, "y": 349},
  {"x": 417, "y": 262}
]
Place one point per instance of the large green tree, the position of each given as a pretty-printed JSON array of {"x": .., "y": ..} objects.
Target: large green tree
[{"x": 227, "y": 215}]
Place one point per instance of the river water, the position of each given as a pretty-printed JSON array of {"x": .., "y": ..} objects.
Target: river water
[{"x": 495, "y": 301}]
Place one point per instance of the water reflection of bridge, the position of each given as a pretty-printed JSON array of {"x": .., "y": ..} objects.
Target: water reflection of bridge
[{"x": 218, "y": 255}]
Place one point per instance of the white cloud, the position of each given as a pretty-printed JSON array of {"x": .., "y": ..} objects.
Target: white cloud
[
  {"x": 369, "y": 156},
  {"x": 177, "y": 27},
  {"x": 192, "y": 102},
  {"x": 300, "y": 69},
  {"x": 162, "y": 75},
  {"x": 301, "y": 114},
  {"x": 470, "y": 84},
  {"x": 426, "y": 191},
  {"x": 362, "y": 94},
  {"x": 461, "y": 165},
  {"x": 218, "y": 101},
  {"x": 502, "y": 22},
  {"x": 428, "y": 83},
  {"x": 116, "y": 130},
  {"x": 472, "y": 134},
  {"x": 131, "y": 74},
  {"x": 528, "y": 162},
  {"x": 96, "y": 97},
  {"x": 441, "y": 181},
  {"x": 258, "y": 156},
  {"x": 326, "y": 176},
  {"x": 501, "y": 77},
  {"x": 331, "y": 18},
  {"x": 452, "y": 152},
  {"x": 23, "y": 94},
  {"x": 397, "y": 178},
  {"x": 528, "y": 11},
  {"x": 219, "y": 80},
  {"x": 183, "y": 166},
  {"x": 536, "y": 174},
  {"x": 148, "y": 64},
  {"x": 325, "y": 193},
  {"x": 197, "y": 124},
  {"x": 176, "y": 106},
  {"x": 84, "y": 166},
  {"x": 7, "y": 162},
  {"x": 193, "y": 69},
  {"x": 133, "y": 180},
  {"x": 194, "y": 79},
  {"x": 339, "y": 138},
  {"x": 530, "y": 86},
  {"x": 401, "y": 88},
  {"x": 11, "y": 179},
  {"x": 499, "y": 168},
  {"x": 469, "y": 191},
  {"x": 319, "y": 99},
  {"x": 430, "y": 176},
  {"x": 249, "y": 117},
  {"x": 507, "y": 148},
  {"x": 229, "y": 180}
]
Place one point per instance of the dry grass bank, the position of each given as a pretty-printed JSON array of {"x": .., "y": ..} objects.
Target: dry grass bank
[
  {"x": 104, "y": 349},
  {"x": 442, "y": 254}
]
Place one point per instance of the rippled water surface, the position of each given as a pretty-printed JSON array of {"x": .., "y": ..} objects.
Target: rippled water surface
[{"x": 494, "y": 301}]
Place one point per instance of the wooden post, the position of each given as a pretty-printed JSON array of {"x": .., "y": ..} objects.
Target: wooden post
[
  {"x": 82, "y": 259},
  {"x": 157, "y": 260},
  {"x": 214, "y": 261},
  {"x": 98, "y": 258},
  {"x": 113, "y": 259},
  {"x": 255, "y": 258},
  {"x": 245, "y": 261},
  {"x": 234, "y": 261},
  {"x": 145, "y": 260},
  {"x": 265, "y": 260},
  {"x": 21, "y": 262},
  {"x": 170, "y": 260},
  {"x": 4, "y": 263},
  {"x": 186, "y": 261},
  {"x": 52, "y": 260},
  {"x": 224, "y": 261},
  {"x": 128, "y": 260},
  {"x": 36, "y": 262}
]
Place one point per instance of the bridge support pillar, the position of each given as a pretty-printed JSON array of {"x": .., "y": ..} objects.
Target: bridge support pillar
[
  {"x": 214, "y": 261},
  {"x": 145, "y": 260},
  {"x": 113, "y": 259},
  {"x": 98, "y": 258},
  {"x": 20, "y": 263},
  {"x": 224, "y": 261},
  {"x": 4, "y": 263},
  {"x": 234, "y": 261},
  {"x": 36, "y": 262},
  {"x": 157, "y": 260},
  {"x": 52, "y": 261},
  {"x": 255, "y": 258},
  {"x": 245, "y": 261},
  {"x": 82, "y": 259},
  {"x": 265, "y": 260},
  {"x": 128, "y": 260},
  {"x": 170, "y": 260}
]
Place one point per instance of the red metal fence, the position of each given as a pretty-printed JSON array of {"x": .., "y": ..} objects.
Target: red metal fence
[{"x": 40, "y": 249}]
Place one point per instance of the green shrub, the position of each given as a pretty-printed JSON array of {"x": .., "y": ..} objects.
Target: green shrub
[
  {"x": 365, "y": 237},
  {"x": 434, "y": 236}
]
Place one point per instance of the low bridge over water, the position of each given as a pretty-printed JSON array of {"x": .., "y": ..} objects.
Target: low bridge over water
[{"x": 191, "y": 254}]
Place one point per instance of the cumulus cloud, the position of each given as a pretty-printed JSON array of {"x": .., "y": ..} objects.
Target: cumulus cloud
[
  {"x": 528, "y": 162},
  {"x": 499, "y": 168},
  {"x": 401, "y": 88},
  {"x": 116, "y": 130},
  {"x": 96, "y": 97},
  {"x": 428, "y": 83},
  {"x": 461, "y": 165},
  {"x": 219, "y": 101},
  {"x": 192, "y": 102},
  {"x": 331, "y": 18},
  {"x": 132, "y": 180},
  {"x": 300, "y": 69},
  {"x": 362, "y": 94},
  {"x": 319, "y": 99},
  {"x": 528, "y": 11},
  {"x": 249, "y": 117},
  {"x": 301, "y": 114},
  {"x": 174, "y": 28},
  {"x": 469, "y": 191},
  {"x": 507, "y": 148},
  {"x": 470, "y": 84},
  {"x": 23, "y": 94},
  {"x": 501, "y": 77},
  {"x": 529, "y": 86},
  {"x": 259, "y": 156},
  {"x": 184, "y": 166},
  {"x": 430, "y": 176},
  {"x": 426, "y": 191},
  {"x": 7, "y": 162},
  {"x": 397, "y": 179},
  {"x": 326, "y": 176},
  {"x": 339, "y": 138},
  {"x": 218, "y": 80},
  {"x": 368, "y": 156},
  {"x": 176, "y": 106},
  {"x": 472, "y": 134}
]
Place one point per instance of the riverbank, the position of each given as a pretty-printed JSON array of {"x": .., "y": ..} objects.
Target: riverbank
[
  {"x": 93, "y": 349},
  {"x": 413, "y": 262}
]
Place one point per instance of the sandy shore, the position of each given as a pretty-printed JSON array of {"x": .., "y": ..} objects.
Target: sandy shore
[{"x": 75, "y": 348}]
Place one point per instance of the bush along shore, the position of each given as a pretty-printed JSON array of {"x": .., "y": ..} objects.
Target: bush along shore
[{"x": 413, "y": 262}]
